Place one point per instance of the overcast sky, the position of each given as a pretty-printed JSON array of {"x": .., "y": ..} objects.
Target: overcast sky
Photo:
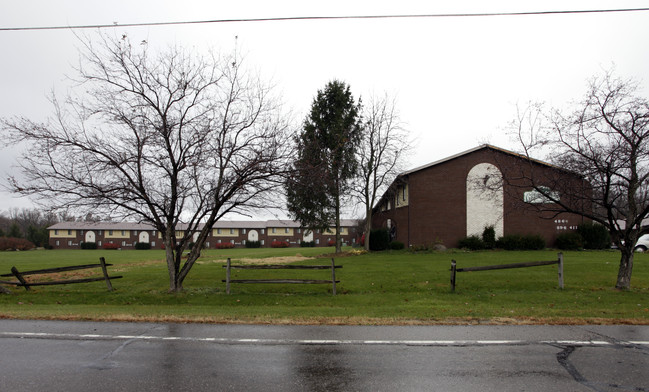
[{"x": 457, "y": 79}]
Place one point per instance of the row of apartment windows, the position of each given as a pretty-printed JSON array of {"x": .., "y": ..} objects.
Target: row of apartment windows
[{"x": 218, "y": 231}]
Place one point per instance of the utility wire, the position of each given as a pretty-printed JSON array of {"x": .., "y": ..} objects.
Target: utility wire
[{"x": 298, "y": 18}]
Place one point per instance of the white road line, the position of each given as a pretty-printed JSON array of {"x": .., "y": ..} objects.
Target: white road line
[{"x": 64, "y": 336}]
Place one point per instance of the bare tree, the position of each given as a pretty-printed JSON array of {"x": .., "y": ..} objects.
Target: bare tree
[
  {"x": 172, "y": 139},
  {"x": 380, "y": 154},
  {"x": 606, "y": 140}
]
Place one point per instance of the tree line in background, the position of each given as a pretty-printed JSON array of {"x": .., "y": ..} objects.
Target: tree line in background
[{"x": 26, "y": 228}]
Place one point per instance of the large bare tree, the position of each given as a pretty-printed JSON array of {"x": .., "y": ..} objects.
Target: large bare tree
[
  {"x": 606, "y": 140},
  {"x": 172, "y": 139},
  {"x": 381, "y": 153}
]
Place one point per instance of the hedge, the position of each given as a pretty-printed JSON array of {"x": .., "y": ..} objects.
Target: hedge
[
  {"x": 13, "y": 243},
  {"x": 88, "y": 245},
  {"x": 253, "y": 244},
  {"x": 279, "y": 244},
  {"x": 379, "y": 239}
]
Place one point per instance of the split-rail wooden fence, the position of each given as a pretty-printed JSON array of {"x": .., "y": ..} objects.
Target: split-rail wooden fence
[
  {"x": 559, "y": 261},
  {"x": 228, "y": 280},
  {"x": 21, "y": 281}
]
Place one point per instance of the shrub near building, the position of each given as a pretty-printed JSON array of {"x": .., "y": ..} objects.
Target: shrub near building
[{"x": 594, "y": 236}]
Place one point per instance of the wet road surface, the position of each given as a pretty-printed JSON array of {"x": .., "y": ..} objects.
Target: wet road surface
[{"x": 79, "y": 356}]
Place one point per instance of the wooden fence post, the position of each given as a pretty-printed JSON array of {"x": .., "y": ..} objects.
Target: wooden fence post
[
  {"x": 333, "y": 275},
  {"x": 453, "y": 268},
  {"x": 102, "y": 261},
  {"x": 227, "y": 277},
  {"x": 20, "y": 278},
  {"x": 560, "y": 255}
]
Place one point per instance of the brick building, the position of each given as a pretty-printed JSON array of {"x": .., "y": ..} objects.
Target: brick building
[
  {"x": 70, "y": 235},
  {"x": 459, "y": 196}
]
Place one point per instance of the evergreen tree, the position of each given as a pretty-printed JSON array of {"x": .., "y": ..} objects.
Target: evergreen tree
[
  {"x": 325, "y": 161},
  {"x": 14, "y": 231}
]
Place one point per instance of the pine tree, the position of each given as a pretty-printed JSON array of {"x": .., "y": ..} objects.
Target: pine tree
[{"x": 325, "y": 161}]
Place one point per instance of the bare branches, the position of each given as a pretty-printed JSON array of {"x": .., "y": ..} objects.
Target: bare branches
[
  {"x": 381, "y": 153},
  {"x": 606, "y": 140},
  {"x": 163, "y": 138}
]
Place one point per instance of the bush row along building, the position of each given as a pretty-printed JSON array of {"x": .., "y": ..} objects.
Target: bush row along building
[{"x": 70, "y": 235}]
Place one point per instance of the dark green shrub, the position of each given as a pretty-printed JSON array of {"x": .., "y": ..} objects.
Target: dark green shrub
[
  {"x": 489, "y": 237},
  {"x": 520, "y": 242},
  {"x": 594, "y": 236},
  {"x": 379, "y": 239},
  {"x": 307, "y": 244},
  {"x": 142, "y": 246},
  {"x": 472, "y": 242},
  {"x": 532, "y": 242},
  {"x": 397, "y": 245},
  {"x": 570, "y": 241},
  {"x": 88, "y": 245},
  {"x": 510, "y": 242},
  {"x": 253, "y": 244}
]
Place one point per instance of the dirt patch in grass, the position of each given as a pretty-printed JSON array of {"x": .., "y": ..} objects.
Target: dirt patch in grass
[{"x": 267, "y": 260}]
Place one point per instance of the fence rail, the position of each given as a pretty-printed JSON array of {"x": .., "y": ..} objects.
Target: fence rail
[
  {"x": 21, "y": 281},
  {"x": 331, "y": 267},
  {"x": 559, "y": 261}
]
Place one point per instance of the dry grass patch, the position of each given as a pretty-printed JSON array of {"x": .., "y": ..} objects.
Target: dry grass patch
[{"x": 266, "y": 260}]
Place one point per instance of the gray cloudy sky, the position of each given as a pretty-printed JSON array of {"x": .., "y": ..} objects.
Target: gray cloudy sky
[{"x": 457, "y": 80}]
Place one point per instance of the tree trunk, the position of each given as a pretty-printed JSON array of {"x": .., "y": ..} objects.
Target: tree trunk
[
  {"x": 368, "y": 228},
  {"x": 175, "y": 285},
  {"x": 338, "y": 240},
  {"x": 338, "y": 244},
  {"x": 626, "y": 267}
]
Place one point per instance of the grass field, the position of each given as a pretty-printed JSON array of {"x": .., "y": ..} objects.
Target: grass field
[{"x": 395, "y": 287}]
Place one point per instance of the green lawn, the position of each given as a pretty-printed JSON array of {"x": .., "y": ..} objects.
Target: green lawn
[{"x": 376, "y": 288}]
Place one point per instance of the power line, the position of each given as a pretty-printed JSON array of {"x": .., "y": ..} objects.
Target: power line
[{"x": 301, "y": 18}]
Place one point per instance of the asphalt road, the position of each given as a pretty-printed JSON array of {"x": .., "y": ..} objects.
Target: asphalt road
[{"x": 90, "y": 356}]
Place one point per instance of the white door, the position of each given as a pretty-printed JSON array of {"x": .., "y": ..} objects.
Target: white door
[
  {"x": 308, "y": 236},
  {"x": 144, "y": 237},
  {"x": 90, "y": 236},
  {"x": 253, "y": 235}
]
